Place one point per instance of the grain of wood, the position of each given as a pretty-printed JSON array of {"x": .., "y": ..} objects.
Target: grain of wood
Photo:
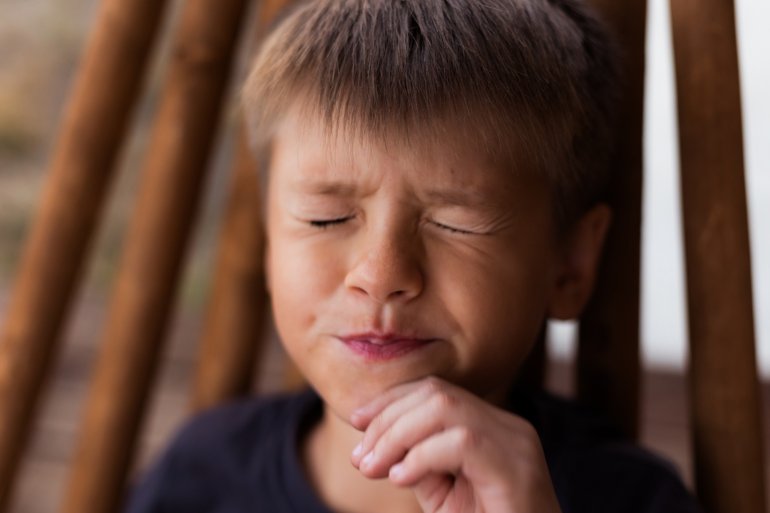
[
  {"x": 173, "y": 178},
  {"x": 725, "y": 401},
  {"x": 234, "y": 332},
  {"x": 608, "y": 351},
  {"x": 79, "y": 172}
]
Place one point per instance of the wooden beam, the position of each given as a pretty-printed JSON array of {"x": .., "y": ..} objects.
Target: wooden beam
[
  {"x": 608, "y": 353},
  {"x": 234, "y": 331},
  {"x": 235, "y": 325},
  {"x": 164, "y": 216},
  {"x": 724, "y": 401},
  {"x": 80, "y": 170}
]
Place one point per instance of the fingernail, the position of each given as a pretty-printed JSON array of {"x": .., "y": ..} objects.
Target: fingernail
[
  {"x": 357, "y": 450},
  {"x": 396, "y": 471},
  {"x": 367, "y": 459}
]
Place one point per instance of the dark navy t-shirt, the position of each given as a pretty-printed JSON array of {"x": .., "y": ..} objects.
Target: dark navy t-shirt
[{"x": 243, "y": 457}]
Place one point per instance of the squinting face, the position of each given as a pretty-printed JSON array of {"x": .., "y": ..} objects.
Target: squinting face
[{"x": 388, "y": 264}]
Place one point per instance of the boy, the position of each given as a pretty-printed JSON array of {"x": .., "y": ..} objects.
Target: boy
[{"x": 434, "y": 185}]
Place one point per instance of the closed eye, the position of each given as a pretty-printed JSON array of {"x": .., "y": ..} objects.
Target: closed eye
[
  {"x": 452, "y": 229},
  {"x": 326, "y": 223}
]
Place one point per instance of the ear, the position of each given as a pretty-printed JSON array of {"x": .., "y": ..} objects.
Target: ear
[{"x": 580, "y": 259}]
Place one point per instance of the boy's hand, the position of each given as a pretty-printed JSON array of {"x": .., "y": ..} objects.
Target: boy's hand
[{"x": 458, "y": 453}]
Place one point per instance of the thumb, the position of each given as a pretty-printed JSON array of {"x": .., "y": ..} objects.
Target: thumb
[
  {"x": 432, "y": 491},
  {"x": 443, "y": 493}
]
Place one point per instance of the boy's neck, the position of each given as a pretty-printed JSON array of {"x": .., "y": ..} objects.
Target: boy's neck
[{"x": 326, "y": 454}]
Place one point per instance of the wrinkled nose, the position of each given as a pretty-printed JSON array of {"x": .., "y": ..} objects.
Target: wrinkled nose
[{"x": 387, "y": 267}]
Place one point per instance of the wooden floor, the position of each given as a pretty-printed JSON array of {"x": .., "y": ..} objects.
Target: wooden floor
[{"x": 44, "y": 470}]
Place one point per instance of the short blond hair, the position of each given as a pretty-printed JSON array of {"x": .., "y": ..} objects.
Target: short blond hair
[{"x": 531, "y": 74}]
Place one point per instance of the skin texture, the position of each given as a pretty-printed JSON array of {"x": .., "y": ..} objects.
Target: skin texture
[
  {"x": 457, "y": 452},
  {"x": 432, "y": 242}
]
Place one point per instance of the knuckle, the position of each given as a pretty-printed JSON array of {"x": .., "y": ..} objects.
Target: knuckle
[
  {"x": 373, "y": 432},
  {"x": 467, "y": 439},
  {"x": 389, "y": 440},
  {"x": 527, "y": 430},
  {"x": 376, "y": 425},
  {"x": 413, "y": 459},
  {"x": 529, "y": 447},
  {"x": 397, "y": 432},
  {"x": 441, "y": 402},
  {"x": 432, "y": 385}
]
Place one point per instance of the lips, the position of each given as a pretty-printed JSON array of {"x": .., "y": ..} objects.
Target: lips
[{"x": 380, "y": 347}]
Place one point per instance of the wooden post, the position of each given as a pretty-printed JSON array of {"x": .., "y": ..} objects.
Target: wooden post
[
  {"x": 234, "y": 331},
  {"x": 724, "y": 401},
  {"x": 608, "y": 354},
  {"x": 81, "y": 168},
  {"x": 172, "y": 183}
]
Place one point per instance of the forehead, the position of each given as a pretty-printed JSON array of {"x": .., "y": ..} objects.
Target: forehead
[{"x": 306, "y": 151}]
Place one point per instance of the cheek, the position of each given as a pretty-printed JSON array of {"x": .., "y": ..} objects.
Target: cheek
[
  {"x": 301, "y": 271},
  {"x": 501, "y": 286},
  {"x": 297, "y": 288},
  {"x": 499, "y": 308}
]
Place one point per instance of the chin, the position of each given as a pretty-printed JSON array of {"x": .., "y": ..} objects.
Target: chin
[
  {"x": 345, "y": 396},
  {"x": 344, "y": 404}
]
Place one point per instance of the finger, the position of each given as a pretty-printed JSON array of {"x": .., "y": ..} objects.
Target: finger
[
  {"x": 383, "y": 422},
  {"x": 433, "y": 490},
  {"x": 417, "y": 394},
  {"x": 361, "y": 417},
  {"x": 406, "y": 429},
  {"x": 437, "y": 492},
  {"x": 444, "y": 453},
  {"x": 429, "y": 395}
]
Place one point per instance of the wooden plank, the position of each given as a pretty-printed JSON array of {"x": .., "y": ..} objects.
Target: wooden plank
[
  {"x": 235, "y": 325},
  {"x": 234, "y": 331},
  {"x": 608, "y": 351},
  {"x": 80, "y": 170},
  {"x": 725, "y": 405},
  {"x": 171, "y": 188}
]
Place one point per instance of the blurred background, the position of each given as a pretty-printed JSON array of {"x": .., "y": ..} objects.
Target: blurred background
[{"x": 40, "y": 46}]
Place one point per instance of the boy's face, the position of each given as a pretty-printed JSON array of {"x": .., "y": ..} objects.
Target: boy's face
[{"x": 389, "y": 264}]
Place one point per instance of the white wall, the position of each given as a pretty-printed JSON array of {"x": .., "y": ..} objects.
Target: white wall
[{"x": 663, "y": 290}]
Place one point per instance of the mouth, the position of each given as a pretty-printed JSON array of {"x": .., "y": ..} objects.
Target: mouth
[{"x": 374, "y": 347}]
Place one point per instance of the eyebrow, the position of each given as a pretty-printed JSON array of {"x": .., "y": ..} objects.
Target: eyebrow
[
  {"x": 454, "y": 197},
  {"x": 326, "y": 188}
]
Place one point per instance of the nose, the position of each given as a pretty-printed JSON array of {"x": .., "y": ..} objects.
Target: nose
[{"x": 387, "y": 267}]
